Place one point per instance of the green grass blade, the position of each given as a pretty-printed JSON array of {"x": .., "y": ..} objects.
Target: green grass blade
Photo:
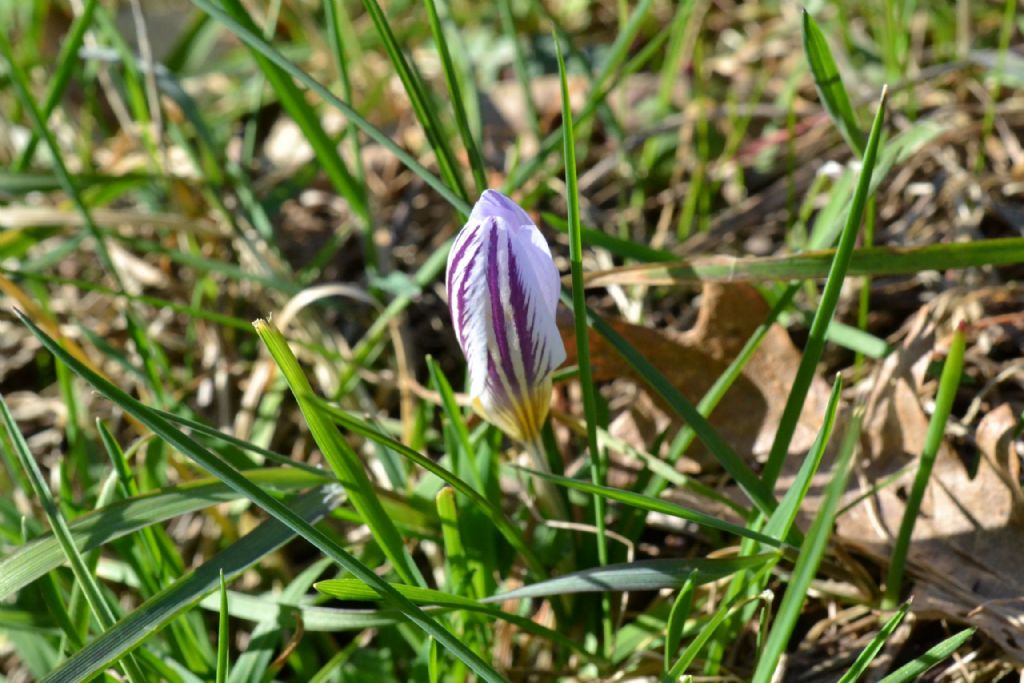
[
  {"x": 157, "y": 611},
  {"x": 352, "y": 589},
  {"x": 811, "y": 553},
  {"x": 315, "y": 619},
  {"x": 642, "y": 575},
  {"x": 95, "y": 529},
  {"x": 650, "y": 504},
  {"x": 275, "y": 508},
  {"x": 913, "y": 670},
  {"x": 618, "y": 246},
  {"x": 826, "y": 309},
  {"x": 681, "y": 607},
  {"x": 343, "y": 460},
  {"x": 598, "y": 459},
  {"x": 601, "y": 87},
  {"x": 781, "y": 521},
  {"x": 830, "y": 84},
  {"x": 508, "y": 27},
  {"x": 868, "y": 654},
  {"x": 949, "y": 382},
  {"x": 814, "y": 265},
  {"x": 223, "y": 633},
  {"x": 758, "y": 493}
]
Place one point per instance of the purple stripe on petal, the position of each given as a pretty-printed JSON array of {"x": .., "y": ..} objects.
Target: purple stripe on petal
[
  {"x": 520, "y": 314},
  {"x": 461, "y": 298},
  {"x": 494, "y": 284},
  {"x": 456, "y": 261}
]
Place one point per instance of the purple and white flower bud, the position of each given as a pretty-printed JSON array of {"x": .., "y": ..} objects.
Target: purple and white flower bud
[{"x": 502, "y": 293}]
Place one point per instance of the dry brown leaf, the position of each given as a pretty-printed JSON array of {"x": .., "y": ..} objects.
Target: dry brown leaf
[{"x": 693, "y": 359}]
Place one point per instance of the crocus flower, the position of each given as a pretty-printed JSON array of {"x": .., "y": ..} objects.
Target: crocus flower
[{"x": 502, "y": 293}]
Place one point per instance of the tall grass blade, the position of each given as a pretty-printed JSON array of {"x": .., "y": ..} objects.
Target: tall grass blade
[
  {"x": 826, "y": 308},
  {"x": 343, "y": 460},
  {"x": 650, "y": 504},
  {"x": 949, "y": 382},
  {"x": 598, "y": 460},
  {"x": 758, "y": 493},
  {"x": 424, "y": 108}
]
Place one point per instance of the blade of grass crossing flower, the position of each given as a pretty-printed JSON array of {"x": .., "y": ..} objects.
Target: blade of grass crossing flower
[
  {"x": 826, "y": 308},
  {"x": 236, "y": 480},
  {"x": 423, "y": 107},
  {"x": 913, "y": 670},
  {"x": 253, "y": 39},
  {"x": 178, "y": 596},
  {"x": 598, "y": 462},
  {"x": 101, "y": 609},
  {"x": 759, "y": 494},
  {"x": 949, "y": 382},
  {"x": 868, "y": 654},
  {"x": 811, "y": 552},
  {"x": 451, "y": 78},
  {"x": 223, "y": 633},
  {"x": 344, "y": 461},
  {"x": 830, "y": 84}
]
